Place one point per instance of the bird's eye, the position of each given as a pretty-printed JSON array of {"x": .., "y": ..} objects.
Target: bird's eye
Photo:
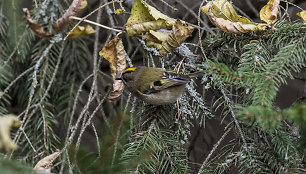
[{"x": 158, "y": 83}]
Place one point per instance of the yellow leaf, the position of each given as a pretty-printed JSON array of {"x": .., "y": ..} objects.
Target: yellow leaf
[
  {"x": 155, "y": 39},
  {"x": 82, "y": 30},
  {"x": 269, "y": 12},
  {"x": 302, "y": 14},
  {"x": 83, "y": 4},
  {"x": 139, "y": 14},
  {"x": 180, "y": 32},
  {"x": 119, "y": 11},
  {"x": 222, "y": 14},
  {"x": 137, "y": 29},
  {"x": 159, "y": 36},
  {"x": 157, "y": 14},
  {"x": 145, "y": 17},
  {"x": 6, "y": 122},
  {"x": 115, "y": 54}
]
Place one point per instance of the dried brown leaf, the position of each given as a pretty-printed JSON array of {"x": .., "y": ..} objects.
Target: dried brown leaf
[
  {"x": 269, "y": 12},
  {"x": 75, "y": 7},
  {"x": 222, "y": 14},
  {"x": 223, "y": 9},
  {"x": 235, "y": 27},
  {"x": 145, "y": 17},
  {"x": 115, "y": 54},
  {"x": 118, "y": 87},
  {"x": 36, "y": 28},
  {"x": 137, "y": 29},
  {"x": 180, "y": 32},
  {"x": 45, "y": 164}
]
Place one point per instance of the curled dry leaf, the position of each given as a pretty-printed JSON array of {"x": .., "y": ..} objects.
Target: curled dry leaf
[
  {"x": 75, "y": 7},
  {"x": 145, "y": 17},
  {"x": 81, "y": 30},
  {"x": 166, "y": 42},
  {"x": 155, "y": 39},
  {"x": 180, "y": 32},
  {"x": 6, "y": 122},
  {"x": 36, "y": 28},
  {"x": 45, "y": 164},
  {"x": 115, "y": 54},
  {"x": 222, "y": 14},
  {"x": 302, "y": 14},
  {"x": 233, "y": 27},
  {"x": 268, "y": 13},
  {"x": 223, "y": 9}
]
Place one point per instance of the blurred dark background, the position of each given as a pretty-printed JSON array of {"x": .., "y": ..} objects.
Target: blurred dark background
[{"x": 202, "y": 139}]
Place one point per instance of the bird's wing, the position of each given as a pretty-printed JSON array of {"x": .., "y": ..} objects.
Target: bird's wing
[{"x": 168, "y": 80}]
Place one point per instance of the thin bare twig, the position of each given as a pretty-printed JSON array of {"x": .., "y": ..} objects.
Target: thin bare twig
[
  {"x": 94, "y": 23},
  {"x": 110, "y": 16},
  {"x": 294, "y": 5},
  {"x": 29, "y": 140},
  {"x": 214, "y": 149},
  {"x": 167, "y": 4},
  {"x": 255, "y": 11},
  {"x": 190, "y": 11},
  {"x": 229, "y": 105},
  {"x": 87, "y": 123},
  {"x": 95, "y": 10},
  {"x": 200, "y": 33},
  {"x": 97, "y": 138},
  {"x": 15, "y": 80},
  {"x": 26, "y": 119}
]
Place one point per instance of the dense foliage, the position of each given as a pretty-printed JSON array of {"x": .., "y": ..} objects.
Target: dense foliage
[{"x": 59, "y": 90}]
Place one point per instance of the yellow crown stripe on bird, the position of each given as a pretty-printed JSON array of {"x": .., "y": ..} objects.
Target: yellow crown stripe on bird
[{"x": 129, "y": 69}]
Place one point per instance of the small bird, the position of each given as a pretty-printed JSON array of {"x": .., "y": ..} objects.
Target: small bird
[{"x": 155, "y": 85}]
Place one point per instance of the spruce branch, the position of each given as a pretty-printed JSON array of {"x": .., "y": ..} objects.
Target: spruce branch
[
  {"x": 33, "y": 86},
  {"x": 34, "y": 77},
  {"x": 230, "y": 107},
  {"x": 70, "y": 83},
  {"x": 214, "y": 149},
  {"x": 15, "y": 80},
  {"x": 88, "y": 121},
  {"x": 26, "y": 117}
]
